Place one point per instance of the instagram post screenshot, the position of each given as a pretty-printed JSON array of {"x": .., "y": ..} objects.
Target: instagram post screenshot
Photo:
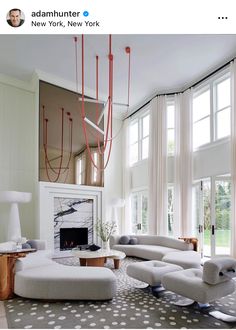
[{"x": 118, "y": 164}]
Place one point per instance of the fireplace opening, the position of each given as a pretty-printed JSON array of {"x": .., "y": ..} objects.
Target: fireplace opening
[{"x": 73, "y": 237}]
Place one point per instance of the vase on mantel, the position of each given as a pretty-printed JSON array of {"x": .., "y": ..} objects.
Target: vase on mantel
[{"x": 106, "y": 245}]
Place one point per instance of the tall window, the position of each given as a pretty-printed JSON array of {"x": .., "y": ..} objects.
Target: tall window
[
  {"x": 170, "y": 128},
  {"x": 139, "y": 138},
  {"x": 211, "y": 111},
  {"x": 201, "y": 117},
  {"x": 222, "y": 109},
  {"x": 139, "y": 212}
]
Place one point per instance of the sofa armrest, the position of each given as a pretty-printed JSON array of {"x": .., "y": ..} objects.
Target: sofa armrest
[
  {"x": 114, "y": 239},
  {"x": 37, "y": 244}
]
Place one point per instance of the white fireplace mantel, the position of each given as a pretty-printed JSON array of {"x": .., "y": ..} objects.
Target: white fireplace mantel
[{"x": 48, "y": 191}]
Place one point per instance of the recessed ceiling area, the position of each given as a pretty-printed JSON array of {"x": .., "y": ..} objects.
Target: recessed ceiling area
[{"x": 159, "y": 63}]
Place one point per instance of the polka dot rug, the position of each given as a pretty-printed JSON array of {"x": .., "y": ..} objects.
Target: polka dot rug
[{"x": 131, "y": 308}]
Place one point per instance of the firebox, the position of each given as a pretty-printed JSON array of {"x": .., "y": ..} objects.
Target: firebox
[{"x": 73, "y": 237}]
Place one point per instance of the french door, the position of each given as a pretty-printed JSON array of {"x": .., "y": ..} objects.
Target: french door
[{"x": 211, "y": 214}]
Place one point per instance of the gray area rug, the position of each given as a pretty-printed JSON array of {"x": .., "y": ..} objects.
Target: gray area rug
[{"x": 131, "y": 308}]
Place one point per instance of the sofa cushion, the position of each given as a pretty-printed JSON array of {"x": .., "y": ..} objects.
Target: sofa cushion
[
  {"x": 32, "y": 260},
  {"x": 150, "y": 272},
  {"x": 188, "y": 283},
  {"x": 149, "y": 252},
  {"x": 66, "y": 282},
  {"x": 185, "y": 259},
  {"x": 124, "y": 239}
]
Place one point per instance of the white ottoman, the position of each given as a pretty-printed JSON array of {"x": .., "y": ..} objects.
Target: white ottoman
[
  {"x": 185, "y": 259},
  {"x": 151, "y": 272}
]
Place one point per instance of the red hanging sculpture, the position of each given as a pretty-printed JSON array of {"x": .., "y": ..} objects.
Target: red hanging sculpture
[{"x": 108, "y": 105}]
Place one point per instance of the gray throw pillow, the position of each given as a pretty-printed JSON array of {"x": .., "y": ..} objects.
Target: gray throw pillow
[
  {"x": 26, "y": 246},
  {"x": 124, "y": 240},
  {"x": 133, "y": 241}
]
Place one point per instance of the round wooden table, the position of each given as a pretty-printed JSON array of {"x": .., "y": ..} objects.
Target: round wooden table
[{"x": 98, "y": 258}]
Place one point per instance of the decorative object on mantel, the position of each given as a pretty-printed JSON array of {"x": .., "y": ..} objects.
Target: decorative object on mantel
[
  {"x": 14, "y": 197},
  {"x": 104, "y": 230},
  {"x": 54, "y": 169},
  {"x": 108, "y": 104}
]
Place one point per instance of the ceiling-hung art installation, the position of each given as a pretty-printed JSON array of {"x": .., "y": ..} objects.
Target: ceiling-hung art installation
[
  {"x": 108, "y": 103},
  {"x": 55, "y": 165}
]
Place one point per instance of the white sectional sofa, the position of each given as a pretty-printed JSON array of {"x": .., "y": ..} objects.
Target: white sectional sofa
[
  {"x": 37, "y": 276},
  {"x": 162, "y": 248}
]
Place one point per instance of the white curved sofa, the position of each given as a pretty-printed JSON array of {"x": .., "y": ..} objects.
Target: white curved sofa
[
  {"x": 39, "y": 277},
  {"x": 162, "y": 248}
]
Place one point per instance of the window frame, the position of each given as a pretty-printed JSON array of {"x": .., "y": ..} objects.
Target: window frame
[
  {"x": 139, "y": 119},
  {"x": 212, "y": 83}
]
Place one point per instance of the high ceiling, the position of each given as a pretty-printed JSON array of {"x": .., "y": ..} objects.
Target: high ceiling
[{"x": 159, "y": 63}]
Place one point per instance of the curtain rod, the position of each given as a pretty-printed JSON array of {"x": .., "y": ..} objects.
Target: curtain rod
[{"x": 194, "y": 85}]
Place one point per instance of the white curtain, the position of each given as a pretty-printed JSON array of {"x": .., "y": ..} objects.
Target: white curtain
[
  {"x": 157, "y": 168},
  {"x": 126, "y": 223},
  {"x": 177, "y": 174},
  {"x": 233, "y": 158},
  {"x": 183, "y": 172}
]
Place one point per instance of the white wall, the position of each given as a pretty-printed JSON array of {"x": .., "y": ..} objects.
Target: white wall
[{"x": 18, "y": 139}]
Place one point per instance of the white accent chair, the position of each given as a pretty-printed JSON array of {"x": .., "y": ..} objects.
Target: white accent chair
[{"x": 204, "y": 286}]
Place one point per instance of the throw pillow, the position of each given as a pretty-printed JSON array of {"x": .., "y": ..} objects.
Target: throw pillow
[
  {"x": 124, "y": 240},
  {"x": 26, "y": 246},
  {"x": 133, "y": 241}
]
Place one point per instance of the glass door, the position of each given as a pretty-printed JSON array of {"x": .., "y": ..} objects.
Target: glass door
[
  {"x": 198, "y": 214},
  {"x": 211, "y": 215},
  {"x": 139, "y": 212},
  {"x": 222, "y": 215},
  {"x": 202, "y": 215}
]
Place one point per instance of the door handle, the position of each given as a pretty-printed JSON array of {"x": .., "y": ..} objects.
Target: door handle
[{"x": 213, "y": 230}]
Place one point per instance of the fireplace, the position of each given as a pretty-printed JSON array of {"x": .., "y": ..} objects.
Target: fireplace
[
  {"x": 68, "y": 206},
  {"x": 73, "y": 237}
]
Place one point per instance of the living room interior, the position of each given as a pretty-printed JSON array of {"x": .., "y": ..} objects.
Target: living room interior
[{"x": 152, "y": 158}]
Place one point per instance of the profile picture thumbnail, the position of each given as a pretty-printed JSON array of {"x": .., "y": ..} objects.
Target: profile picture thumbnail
[{"x": 15, "y": 17}]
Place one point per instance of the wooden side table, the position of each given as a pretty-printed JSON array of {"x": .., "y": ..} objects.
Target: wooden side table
[
  {"x": 7, "y": 270},
  {"x": 192, "y": 240}
]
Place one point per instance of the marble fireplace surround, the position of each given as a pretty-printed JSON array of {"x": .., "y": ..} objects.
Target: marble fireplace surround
[{"x": 48, "y": 191}]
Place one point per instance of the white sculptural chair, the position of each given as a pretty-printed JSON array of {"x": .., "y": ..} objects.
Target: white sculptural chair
[{"x": 214, "y": 282}]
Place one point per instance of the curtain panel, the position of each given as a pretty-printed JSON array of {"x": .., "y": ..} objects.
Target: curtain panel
[
  {"x": 157, "y": 167},
  {"x": 183, "y": 167},
  {"x": 233, "y": 158},
  {"x": 126, "y": 225}
]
